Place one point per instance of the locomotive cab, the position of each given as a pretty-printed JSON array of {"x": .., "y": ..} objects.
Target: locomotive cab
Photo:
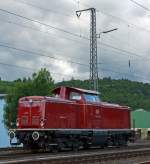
[{"x": 77, "y": 94}]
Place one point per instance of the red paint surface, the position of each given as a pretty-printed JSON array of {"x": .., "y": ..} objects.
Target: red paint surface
[{"x": 76, "y": 114}]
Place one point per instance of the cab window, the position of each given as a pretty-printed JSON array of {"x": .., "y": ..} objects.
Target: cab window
[
  {"x": 75, "y": 96},
  {"x": 91, "y": 98}
]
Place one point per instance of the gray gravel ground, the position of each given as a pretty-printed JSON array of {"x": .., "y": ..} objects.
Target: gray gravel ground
[{"x": 126, "y": 161}]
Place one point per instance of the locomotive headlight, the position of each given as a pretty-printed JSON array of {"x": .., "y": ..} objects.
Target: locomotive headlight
[
  {"x": 17, "y": 122},
  {"x": 35, "y": 135},
  {"x": 42, "y": 123},
  {"x": 12, "y": 134}
]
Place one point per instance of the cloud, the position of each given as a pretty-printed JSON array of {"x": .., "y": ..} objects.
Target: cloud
[{"x": 33, "y": 36}]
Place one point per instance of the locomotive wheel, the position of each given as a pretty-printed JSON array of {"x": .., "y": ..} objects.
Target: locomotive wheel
[
  {"x": 86, "y": 146},
  {"x": 53, "y": 148},
  {"x": 122, "y": 142},
  {"x": 75, "y": 147},
  {"x": 109, "y": 143}
]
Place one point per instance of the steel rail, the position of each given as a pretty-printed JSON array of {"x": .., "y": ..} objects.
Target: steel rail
[
  {"x": 79, "y": 157},
  {"x": 10, "y": 148},
  {"x": 145, "y": 162}
]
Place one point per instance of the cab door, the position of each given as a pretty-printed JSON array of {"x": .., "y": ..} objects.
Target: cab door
[
  {"x": 93, "y": 115},
  {"x": 93, "y": 111}
]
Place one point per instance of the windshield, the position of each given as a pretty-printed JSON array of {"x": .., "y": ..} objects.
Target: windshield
[
  {"x": 75, "y": 96},
  {"x": 91, "y": 98}
]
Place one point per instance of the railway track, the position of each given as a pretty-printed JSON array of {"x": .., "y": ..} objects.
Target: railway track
[
  {"x": 13, "y": 151},
  {"x": 146, "y": 162},
  {"x": 7, "y": 155},
  {"x": 80, "y": 157},
  {"x": 10, "y": 148}
]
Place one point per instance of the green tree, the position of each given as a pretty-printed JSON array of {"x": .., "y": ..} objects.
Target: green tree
[{"x": 40, "y": 83}]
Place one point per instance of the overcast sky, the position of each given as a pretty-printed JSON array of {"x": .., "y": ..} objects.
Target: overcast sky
[{"x": 26, "y": 44}]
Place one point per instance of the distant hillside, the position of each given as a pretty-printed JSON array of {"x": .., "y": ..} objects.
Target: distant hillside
[{"x": 124, "y": 92}]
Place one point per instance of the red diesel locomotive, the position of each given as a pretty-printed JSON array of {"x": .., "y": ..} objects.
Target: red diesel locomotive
[{"x": 73, "y": 118}]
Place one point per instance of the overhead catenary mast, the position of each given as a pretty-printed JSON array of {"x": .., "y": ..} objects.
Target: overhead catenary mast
[{"x": 93, "y": 48}]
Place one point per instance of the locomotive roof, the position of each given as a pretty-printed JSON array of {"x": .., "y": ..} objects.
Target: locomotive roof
[
  {"x": 115, "y": 105},
  {"x": 77, "y": 89}
]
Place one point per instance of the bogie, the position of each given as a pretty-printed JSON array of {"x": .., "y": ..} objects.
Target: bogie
[{"x": 54, "y": 141}]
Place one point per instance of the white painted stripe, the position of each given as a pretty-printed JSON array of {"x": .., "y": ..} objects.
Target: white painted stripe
[{"x": 51, "y": 129}]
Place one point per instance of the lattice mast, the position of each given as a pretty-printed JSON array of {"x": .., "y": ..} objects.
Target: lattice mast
[{"x": 93, "y": 48}]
